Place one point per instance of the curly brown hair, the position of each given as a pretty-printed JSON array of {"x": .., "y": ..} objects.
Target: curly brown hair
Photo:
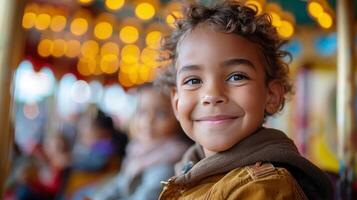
[{"x": 235, "y": 18}]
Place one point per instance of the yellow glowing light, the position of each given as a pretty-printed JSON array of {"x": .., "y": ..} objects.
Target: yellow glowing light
[
  {"x": 114, "y": 4},
  {"x": 124, "y": 80},
  {"x": 130, "y": 54},
  {"x": 58, "y": 23},
  {"x": 59, "y": 48},
  {"x": 90, "y": 48},
  {"x": 109, "y": 48},
  {"x": 286, "y": 29},
  {"x": 275, "y": 19},
  {"x": 44, "y": 47},
  {"x": 29, "y": 20},
  {"x": 43, "y": 21},
  {"x": 144, "y": 74},
  {"x": 325, "y": 20},
  {"x": 85, "y": 1},
  {"x": 153, "y": 39},
  {"x": 86, "y": 66},
  {"x": 171, "y": 18},
  {"x": 109, "y": 63},
  {"x": 255, "y": 5},
  {"x": 315, "y": 9},
  {"x": 79, "y": 26},
  {"x": 103, "y": 30},
  {"x": 149, "y": 56},
  {"x": 145, "y": 11},
  {"x": 73, "y": 48},
  {"x": 129, "y": 34}
]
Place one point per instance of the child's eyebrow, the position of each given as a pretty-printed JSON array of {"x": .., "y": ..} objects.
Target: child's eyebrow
[
  {"x": 238, "y": 61},
  {"x": 188, "y": 68}
]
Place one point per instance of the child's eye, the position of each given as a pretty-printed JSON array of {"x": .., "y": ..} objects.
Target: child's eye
[
  {"x": 237, "y": 77},
  {"x": 192, "y": 81}
]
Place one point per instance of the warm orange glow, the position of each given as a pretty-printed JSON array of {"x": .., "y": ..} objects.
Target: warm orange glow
[
  {"x": 255, "y": 5},
  {"x": 145, "y": 11},
  {"x": 325, "y": 20},
  {"x": 59, "y": 48},
  {"x": 275, "y": 18},
  {"x": 114, "y": 4},
  {"x": 103, "y": 30},
  {"x": 171, "y": 18},
  {"x": 43, "y": 21},
  {"x": 44, "y": 47},
  {"x": 86, "y": 66},
  {"x": 29, "y": 20},
  {"x": 286, "y": 29},
  {"x": 79, "y": 26},
  {"x": 109, "y": 48},
  {"x": 90, "y": 48},
  {"x": 315, "y": 9},
  {"x": 58, "y": 23},
  {"x": 149, "y": 56},
  {"x": 85, "y": 1},
  {"x": 109, "y": 63},
  {"x": 130, "y": 54},
  {"x": 124, "y": 80},
  {"x": 129, "y": 34},
  {"x": 73, "y": 48},
  {"x": 153, "y": 39}
]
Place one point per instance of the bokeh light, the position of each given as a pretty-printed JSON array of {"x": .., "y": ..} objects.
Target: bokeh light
[
  {"x": 325, "y": 20},
  {"x": 286, "y": 29},
  {"x": 153, "y": 39},
  {"x": 255, "y": 5},
  {"x": 103, "y": 30},
  {"x": 29, "y": 20},
  {"x": 145, "y": 11},
  {"x": 171, "y": 18},
  {"x": 109, "y": 63},
  {"x": 59, "y": 48},
  {"x": 315, "y": 9},
  {"x": 80, "y": 92},
  {"x": 58, "y": 23},
  {"x": 79, "y": 26},
  {"x": 44, "y": 47},
  {"x": 109, "y": 48},
  {"x": 86, "y": 66},
  {"x": 85, "y": 1},
  {"x": 73, "y": 48},
  {"x": 130, "y": 54},
  {"x": 129, "y": 34},
  {"x": 90, "y": 48},
  {"x": 43, "y": 21},
  {"x": 114, "y": 4}
]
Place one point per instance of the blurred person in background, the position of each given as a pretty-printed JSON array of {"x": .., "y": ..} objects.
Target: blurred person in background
[
  {"x": 98, "y": 142},
  {"x": 42, "y": 176},
  {"x": 155, "y": 147}
]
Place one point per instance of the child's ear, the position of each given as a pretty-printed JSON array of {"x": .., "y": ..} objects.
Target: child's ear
[
  {"x": 275, "y": 97},
  {"x": 174, "y": 101}
]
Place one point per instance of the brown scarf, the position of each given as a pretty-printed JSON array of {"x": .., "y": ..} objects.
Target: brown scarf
[{"x": 265, "y": 144}]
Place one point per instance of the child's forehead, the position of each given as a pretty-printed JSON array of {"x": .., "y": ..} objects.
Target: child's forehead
[{"x": 206, "y": 39}]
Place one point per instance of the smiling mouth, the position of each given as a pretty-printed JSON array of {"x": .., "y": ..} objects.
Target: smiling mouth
[{"x": 219, "y": 119}]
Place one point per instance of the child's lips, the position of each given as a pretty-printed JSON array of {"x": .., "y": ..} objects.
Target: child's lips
[{"x": 216, "y": 119}]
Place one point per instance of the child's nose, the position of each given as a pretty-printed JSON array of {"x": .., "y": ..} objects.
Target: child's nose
[{"x": 213, "y": 100}]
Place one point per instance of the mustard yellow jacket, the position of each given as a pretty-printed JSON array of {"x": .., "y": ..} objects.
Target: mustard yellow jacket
[
  {"x": 264, "y": 165},
  {"x": 261, "y": 181}
]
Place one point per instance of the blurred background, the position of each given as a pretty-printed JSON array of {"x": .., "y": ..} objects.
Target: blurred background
[{"x": 69, "y": 65}]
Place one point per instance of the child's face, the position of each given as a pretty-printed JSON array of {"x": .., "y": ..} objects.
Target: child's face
[
  {"x": 155, "y": 118},
  {"x": 221, "y": 94}
]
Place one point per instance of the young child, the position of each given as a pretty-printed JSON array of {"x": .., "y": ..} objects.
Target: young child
[
  {"x": 151, "y": 154},
  {"x": 228, "y": 75}
]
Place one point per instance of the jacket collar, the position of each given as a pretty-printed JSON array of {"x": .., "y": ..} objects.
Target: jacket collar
[{"x": 265, "y": 144}]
